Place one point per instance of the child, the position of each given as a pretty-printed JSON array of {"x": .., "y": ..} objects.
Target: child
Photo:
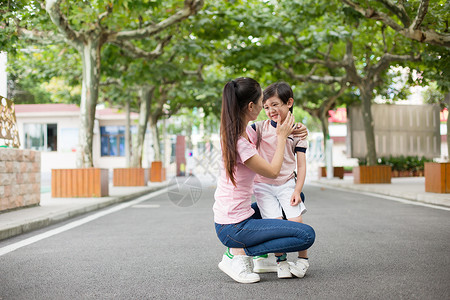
[{"x": 283, "y": 194}]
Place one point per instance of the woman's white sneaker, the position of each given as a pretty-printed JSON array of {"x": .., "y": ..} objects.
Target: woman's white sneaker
[
  {"x": 238, "y": 267},
  {"x": 299, "y": 268}
]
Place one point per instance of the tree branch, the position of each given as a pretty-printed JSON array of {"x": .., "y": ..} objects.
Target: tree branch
[
  {"x": 111, "y": 81},
  {"x": 197, "y": 72},
  {"x": 349, "y": 63},
  {"x": 372, "y": 14},
  {"x": 281, "y": 38},
  {"x": 191, "y": 7},
  {"x": 312, "y": 78},
  {"x": 41, "y": 37},
  {"x": 399, "y": 11},
  {"x": 421, "y": 12},
  {"x": 412, "y": 32},
  {"x": 313, "y": 70},
  {"x": 384, "y": 38},
  {"x": 328, "y": 63},
  {"x": 135, "y": 52},
  {"x": 105, "y": 14},
  {"x": 388, "y": 58},
  {"x": 53, "y": 9}
]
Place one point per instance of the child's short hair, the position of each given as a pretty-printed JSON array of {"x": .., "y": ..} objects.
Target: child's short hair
[{"x": 280, "y": 89}]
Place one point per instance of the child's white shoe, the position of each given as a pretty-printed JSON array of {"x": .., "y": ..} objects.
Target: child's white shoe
[
  {"x": 299, "y": 268},
  {"x": 283, "y": 269}
]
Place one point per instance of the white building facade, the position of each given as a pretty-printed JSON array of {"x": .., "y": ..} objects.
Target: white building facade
[{"x": 53, "y": 130}]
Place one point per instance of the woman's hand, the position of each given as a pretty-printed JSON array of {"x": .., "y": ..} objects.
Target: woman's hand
[
  {"x": 285, "y": 129},
  {"x": 300, "y": 131}
]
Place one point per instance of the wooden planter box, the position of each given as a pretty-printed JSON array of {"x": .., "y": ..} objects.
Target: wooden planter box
[
  {"x": 337, "y": 172},
  {"x": 85, "y": 182},
  {"x": 372, "y": 174},
  {"x": 130, "y": 177},
  {"x": 437, "y": 177},
  {"x": 157, "y": 172}
]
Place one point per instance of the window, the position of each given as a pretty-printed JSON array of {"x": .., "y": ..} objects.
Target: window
[
  {"x": 68, "y": 140},
  {"x": 41, "y": 137},
  {"x": 113, "y": 140}
]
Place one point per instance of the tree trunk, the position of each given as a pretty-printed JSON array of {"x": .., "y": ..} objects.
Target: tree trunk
[
  {"x": 164, "y": 131},
  {"x": 323, "y": 115},
  {"x": 325, "y": 131},
  {"x": 189, "y": 144},
  {"x": 155, "y": 135},
  {"x": 127, "y": 135},
  {"x": 90, "y": 55},
  {"x": 146, "y": 94},
  {"x": 366, "y": 99}
]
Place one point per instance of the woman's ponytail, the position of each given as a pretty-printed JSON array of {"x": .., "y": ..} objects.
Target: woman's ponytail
[{"x": 235, "y": 98}]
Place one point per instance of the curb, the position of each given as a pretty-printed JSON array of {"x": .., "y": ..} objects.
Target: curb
[
  {"x": 428, "y": 199},
  {"x": 51, "y": 219}
]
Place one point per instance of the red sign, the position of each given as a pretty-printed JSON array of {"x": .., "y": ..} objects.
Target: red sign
[
  {"x": 338, "y": 116},
  {"x": 444, "y": 115}
]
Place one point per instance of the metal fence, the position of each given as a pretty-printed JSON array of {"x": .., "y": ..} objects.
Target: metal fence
[{"x": 408, "y": 130}]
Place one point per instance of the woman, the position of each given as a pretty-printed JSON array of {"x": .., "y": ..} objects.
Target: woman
[{"x": 238, "y": 223}]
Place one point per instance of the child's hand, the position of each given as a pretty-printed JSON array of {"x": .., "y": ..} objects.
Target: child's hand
[
  {"x": 300, "y": 131},
  {"x": 285, "y": 129},
  {"x": 295, "y": 199}
]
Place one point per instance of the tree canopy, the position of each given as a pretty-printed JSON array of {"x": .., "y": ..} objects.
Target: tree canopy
[{"x": 161, "y": 56}]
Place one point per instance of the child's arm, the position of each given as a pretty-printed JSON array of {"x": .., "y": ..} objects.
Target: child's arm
[{"x": 301, "y": 175}]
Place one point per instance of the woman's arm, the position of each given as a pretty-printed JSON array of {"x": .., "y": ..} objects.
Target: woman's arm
[{"x": 271, "y": 170}]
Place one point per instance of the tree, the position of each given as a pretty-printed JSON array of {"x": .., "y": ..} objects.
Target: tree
[
  {"x": 327, "y": 48},
  {"x": 416, "y": 20},
  {"x": 44, "y": 74},
  {"x": 87, "y": 28},
  {"x": 171, "y": 80}
]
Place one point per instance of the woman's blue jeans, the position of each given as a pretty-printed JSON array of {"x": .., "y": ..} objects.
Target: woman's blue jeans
[{"x": 261, "y": 236}]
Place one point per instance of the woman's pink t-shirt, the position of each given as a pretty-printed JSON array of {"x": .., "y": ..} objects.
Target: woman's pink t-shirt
[{"x": 233, "y": 204}]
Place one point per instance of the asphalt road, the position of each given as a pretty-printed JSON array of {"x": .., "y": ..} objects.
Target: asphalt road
[{"x": 162, "y": 248}]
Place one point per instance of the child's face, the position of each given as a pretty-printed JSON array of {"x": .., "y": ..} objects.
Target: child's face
[{"x": 274, "y": 107}]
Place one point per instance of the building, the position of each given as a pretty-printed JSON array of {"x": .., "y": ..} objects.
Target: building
[{"x": 53, "y": 130}]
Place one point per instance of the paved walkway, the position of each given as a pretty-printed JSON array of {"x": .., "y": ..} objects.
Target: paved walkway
[
  {"x": 53, "y": 210},
  {"x": 409, "y": 188}
]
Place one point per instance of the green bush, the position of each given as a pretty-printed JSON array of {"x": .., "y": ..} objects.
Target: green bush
[{"x": 401, "y": 163}]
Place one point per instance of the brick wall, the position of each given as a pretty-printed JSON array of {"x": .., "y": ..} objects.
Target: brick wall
[{"x": 20, "y": 178}]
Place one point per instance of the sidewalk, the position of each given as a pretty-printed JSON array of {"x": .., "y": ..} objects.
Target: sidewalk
[
  {"x": 409, "y": 188},
  {"x": 53, "y": 210}
]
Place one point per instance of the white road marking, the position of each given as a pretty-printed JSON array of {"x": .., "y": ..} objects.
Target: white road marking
[
  {"x": 47, "y": 234},
  {"x": 405, "y": 201},
  {"x": 146, "y": 206}
]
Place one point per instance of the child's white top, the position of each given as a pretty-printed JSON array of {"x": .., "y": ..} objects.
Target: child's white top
[
  {"x": 268, "y": 146},
  {"x": 233, "y": 203}
]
